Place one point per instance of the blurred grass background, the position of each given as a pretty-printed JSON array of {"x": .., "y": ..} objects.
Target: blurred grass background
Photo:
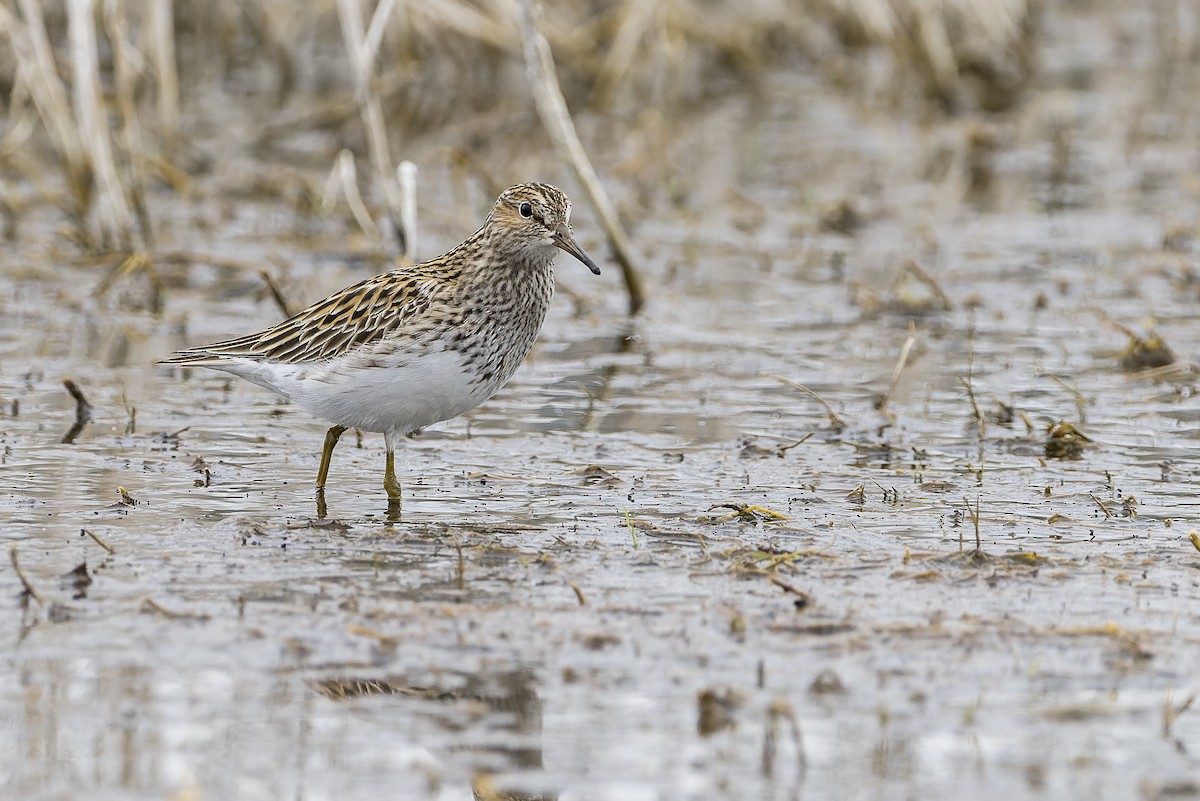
[{"x": 111, "y": 106}]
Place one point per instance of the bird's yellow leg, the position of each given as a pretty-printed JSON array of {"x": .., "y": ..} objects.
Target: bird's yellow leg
[
  {"x": 331, "y": 439},
  {"x": 390, "y": 484}
]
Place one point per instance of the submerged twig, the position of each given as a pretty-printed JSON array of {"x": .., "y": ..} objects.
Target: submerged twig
[
  {"x": 151, "y": 606},
  {"x": 98, "y": 541},
  {"x": 552, "y": 108},
  {"x": 833, "y": 416},
  {"x": 83, "y": 411},
  {"x": 406, "y": 176},
  {"x": 164, "y": 69},
  {"x": 980, "y": 420},
  {"x": 803, "y": 599},
  {"x": 25, "y": 583},
  {"x": 919, "y": 272}
]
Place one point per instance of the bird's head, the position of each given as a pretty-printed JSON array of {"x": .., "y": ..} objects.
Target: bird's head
[{"x": 536, "y": 218}]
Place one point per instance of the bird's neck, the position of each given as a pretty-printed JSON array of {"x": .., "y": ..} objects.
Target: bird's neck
[{"x": 503, "y": 252}]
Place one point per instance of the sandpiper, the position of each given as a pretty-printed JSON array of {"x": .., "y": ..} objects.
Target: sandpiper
[{"x": 418, "y": 345}]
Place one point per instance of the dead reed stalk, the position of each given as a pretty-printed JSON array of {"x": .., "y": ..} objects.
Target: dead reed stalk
[
  {"x": 362, "y": 46},
  {"x": 552, "y": 108},
  {"x": 112, "y": 207}
]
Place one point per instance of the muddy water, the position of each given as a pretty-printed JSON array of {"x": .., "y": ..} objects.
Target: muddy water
[{"x": 647, "y": 569}]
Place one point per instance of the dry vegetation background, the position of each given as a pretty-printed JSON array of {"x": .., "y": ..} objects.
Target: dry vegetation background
[
  {"x": 119, "y": 113},
  {"x": 871, "y": 491}
]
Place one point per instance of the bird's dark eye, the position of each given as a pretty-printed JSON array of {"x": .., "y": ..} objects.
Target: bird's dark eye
[{"x": 525, "y": 209}]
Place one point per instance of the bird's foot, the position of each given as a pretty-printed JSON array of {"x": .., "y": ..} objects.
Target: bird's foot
[{"x": 331, "y": 439}]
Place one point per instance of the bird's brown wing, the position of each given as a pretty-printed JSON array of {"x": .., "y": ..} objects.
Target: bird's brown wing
[{"x": 351, "y": 318}]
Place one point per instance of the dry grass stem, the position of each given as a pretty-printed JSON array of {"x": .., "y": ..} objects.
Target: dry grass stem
[
  {"x": 1100, "y": 503},
  {"x": 901, "y": 363},
  {"x": 974, "y": 513},
  {"x": 1171, "y": 373},
  {"x": 362, "y": 46},
  {"x": 919, "y": 272},
  {"x": 112, "y": 204},
  {"x": 980, "y": 419},
  {"x": 1080, "y": 401}
]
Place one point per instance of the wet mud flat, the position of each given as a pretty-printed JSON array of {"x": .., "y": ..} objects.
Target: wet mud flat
[{"x": 960, "y": 559}]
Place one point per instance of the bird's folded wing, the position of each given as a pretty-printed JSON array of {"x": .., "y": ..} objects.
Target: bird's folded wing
[{"x": 352, "y": 318}]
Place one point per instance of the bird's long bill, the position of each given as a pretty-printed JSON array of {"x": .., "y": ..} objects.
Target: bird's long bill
[{"x": 565, "y": 240}]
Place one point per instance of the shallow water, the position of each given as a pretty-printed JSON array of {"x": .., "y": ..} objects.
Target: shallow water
[{"x": 581, "y": 601}]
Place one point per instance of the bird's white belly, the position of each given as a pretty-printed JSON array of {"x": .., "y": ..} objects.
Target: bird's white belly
[{"x": 434, "y": 387}]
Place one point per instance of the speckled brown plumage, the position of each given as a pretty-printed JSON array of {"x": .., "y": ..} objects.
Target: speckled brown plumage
[{"x": 417, "y": 345}]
